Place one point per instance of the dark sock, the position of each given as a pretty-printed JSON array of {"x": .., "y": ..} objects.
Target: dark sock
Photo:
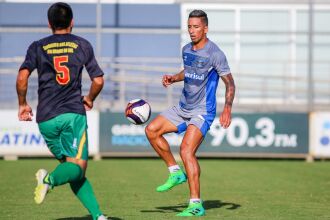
[{"x": 83, "y": 190}]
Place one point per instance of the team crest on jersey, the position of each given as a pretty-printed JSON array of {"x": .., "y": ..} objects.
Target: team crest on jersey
[
  {"x": 200, "y": 63},
  {"x": 193, "y": 60}
]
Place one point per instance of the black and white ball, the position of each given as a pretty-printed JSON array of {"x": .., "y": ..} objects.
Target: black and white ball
[{"x": 138, "y": 111}]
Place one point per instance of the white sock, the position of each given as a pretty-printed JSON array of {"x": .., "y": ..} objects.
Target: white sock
[
  {"x": 174, "y": 168},
  {"x": 198, "y": 200}
]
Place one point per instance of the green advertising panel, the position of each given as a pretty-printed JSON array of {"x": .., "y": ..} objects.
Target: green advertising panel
[{"x": 282, "y": 133}]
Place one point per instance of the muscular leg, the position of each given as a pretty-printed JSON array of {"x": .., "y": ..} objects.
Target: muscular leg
[
  {"x": 190, "y": 143},
  {"x": 155, "y": 131}
]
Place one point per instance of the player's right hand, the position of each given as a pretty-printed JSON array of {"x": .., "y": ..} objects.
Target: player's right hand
[
  {"x": 25, "y": 113},
  {"x": 167, "y": 80}
]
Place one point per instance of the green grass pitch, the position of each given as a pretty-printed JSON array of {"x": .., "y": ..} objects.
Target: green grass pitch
[{"x": 125, "y": 188}]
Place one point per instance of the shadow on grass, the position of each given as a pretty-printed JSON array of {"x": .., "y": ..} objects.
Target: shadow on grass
[
  {"x": 87, "y": 217},
  {"x": 208, "y": 204}
]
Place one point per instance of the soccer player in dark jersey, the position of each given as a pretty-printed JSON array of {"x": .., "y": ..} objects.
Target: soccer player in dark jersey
[
  {"x": 204, "y": 64},
  {"x": 61, "y": 111}
]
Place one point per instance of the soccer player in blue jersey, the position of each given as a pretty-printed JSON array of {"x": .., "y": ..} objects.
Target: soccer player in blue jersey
[
  {"x": 61, "y": 112},
  {"x": 204, "y": 63}
]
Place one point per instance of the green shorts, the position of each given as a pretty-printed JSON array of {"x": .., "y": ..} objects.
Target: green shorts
[{"x": 66, "y": 136}]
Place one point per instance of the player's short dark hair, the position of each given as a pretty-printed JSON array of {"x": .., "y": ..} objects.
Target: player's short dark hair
[
  {"x": 199, "y": 14},
  {"x": 59, "y": 15}
]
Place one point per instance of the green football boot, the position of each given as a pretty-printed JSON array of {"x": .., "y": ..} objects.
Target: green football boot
[
  {"x": 194, "y": 209},
  {"x": 173, "y": 180}
]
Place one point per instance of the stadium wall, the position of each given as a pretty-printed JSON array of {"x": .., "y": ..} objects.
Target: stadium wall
[
  {"x": 262, "y": 135},
  {"x": 258, "y": 135},
  {"x": 19, "y": 138}
]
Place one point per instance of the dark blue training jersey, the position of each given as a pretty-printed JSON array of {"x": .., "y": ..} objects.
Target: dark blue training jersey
[{"x": 59, "y": 60}]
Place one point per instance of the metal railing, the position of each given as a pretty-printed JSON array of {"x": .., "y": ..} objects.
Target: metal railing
[{"x": 129, "y": 78}]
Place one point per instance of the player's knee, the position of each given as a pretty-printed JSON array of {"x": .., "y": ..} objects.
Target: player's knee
[
  {"x": 185, "y": 151},
  {"x": 151, "y": 130},
  {"x": 80, "y": 163}
]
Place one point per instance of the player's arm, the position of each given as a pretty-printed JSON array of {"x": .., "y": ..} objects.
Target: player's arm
[
  {"x": 96, "y": 75},
  {"x": 225, "y": 118},
  {"x": 94, "y": 91},
  {"x": 24, "y": 110},
  {"x": 170, "y": 79}
]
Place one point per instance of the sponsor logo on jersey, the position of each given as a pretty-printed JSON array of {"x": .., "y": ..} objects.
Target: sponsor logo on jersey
[{"x": 194, "y": 76}]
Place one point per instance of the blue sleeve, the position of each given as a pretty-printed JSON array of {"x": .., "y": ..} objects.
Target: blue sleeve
[
  {"x": 91, "y": 64},
  {"x": 220, "y": 63},
  {"x": 30, "y": 62}
]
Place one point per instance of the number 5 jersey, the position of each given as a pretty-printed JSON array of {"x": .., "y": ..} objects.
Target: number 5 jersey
[{"x": 59, "y": 60}]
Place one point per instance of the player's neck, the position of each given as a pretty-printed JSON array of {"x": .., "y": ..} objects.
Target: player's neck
[
  {"x": 63, "y": 31},
  {"x": 200, "y": 45}
]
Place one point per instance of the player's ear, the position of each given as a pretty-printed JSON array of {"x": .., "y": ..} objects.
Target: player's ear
[
  {"x": 206, "y": 29},
  {"x": 50, "y": 27},
  {"x": 71, "y": 25}
]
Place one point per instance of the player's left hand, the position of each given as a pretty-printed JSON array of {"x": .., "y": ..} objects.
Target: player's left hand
[
  {"x": 225, "y": 118},
  {"x": 25, "y": 113},
  {"x": 88, "y": 103}
]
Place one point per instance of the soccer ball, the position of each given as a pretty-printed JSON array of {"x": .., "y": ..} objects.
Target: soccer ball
[{"x": 138, "y": 111}]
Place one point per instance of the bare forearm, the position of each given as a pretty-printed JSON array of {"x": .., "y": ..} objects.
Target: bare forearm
[
  {"x": 96, "y": 87},
  {"x": 230, "y": 94},
  {"x": 179, "y": 76},
  {"x": 230, "y": 90},
  {"x": 21, "y": 94},
  {"x": 22, "y": 86}
]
